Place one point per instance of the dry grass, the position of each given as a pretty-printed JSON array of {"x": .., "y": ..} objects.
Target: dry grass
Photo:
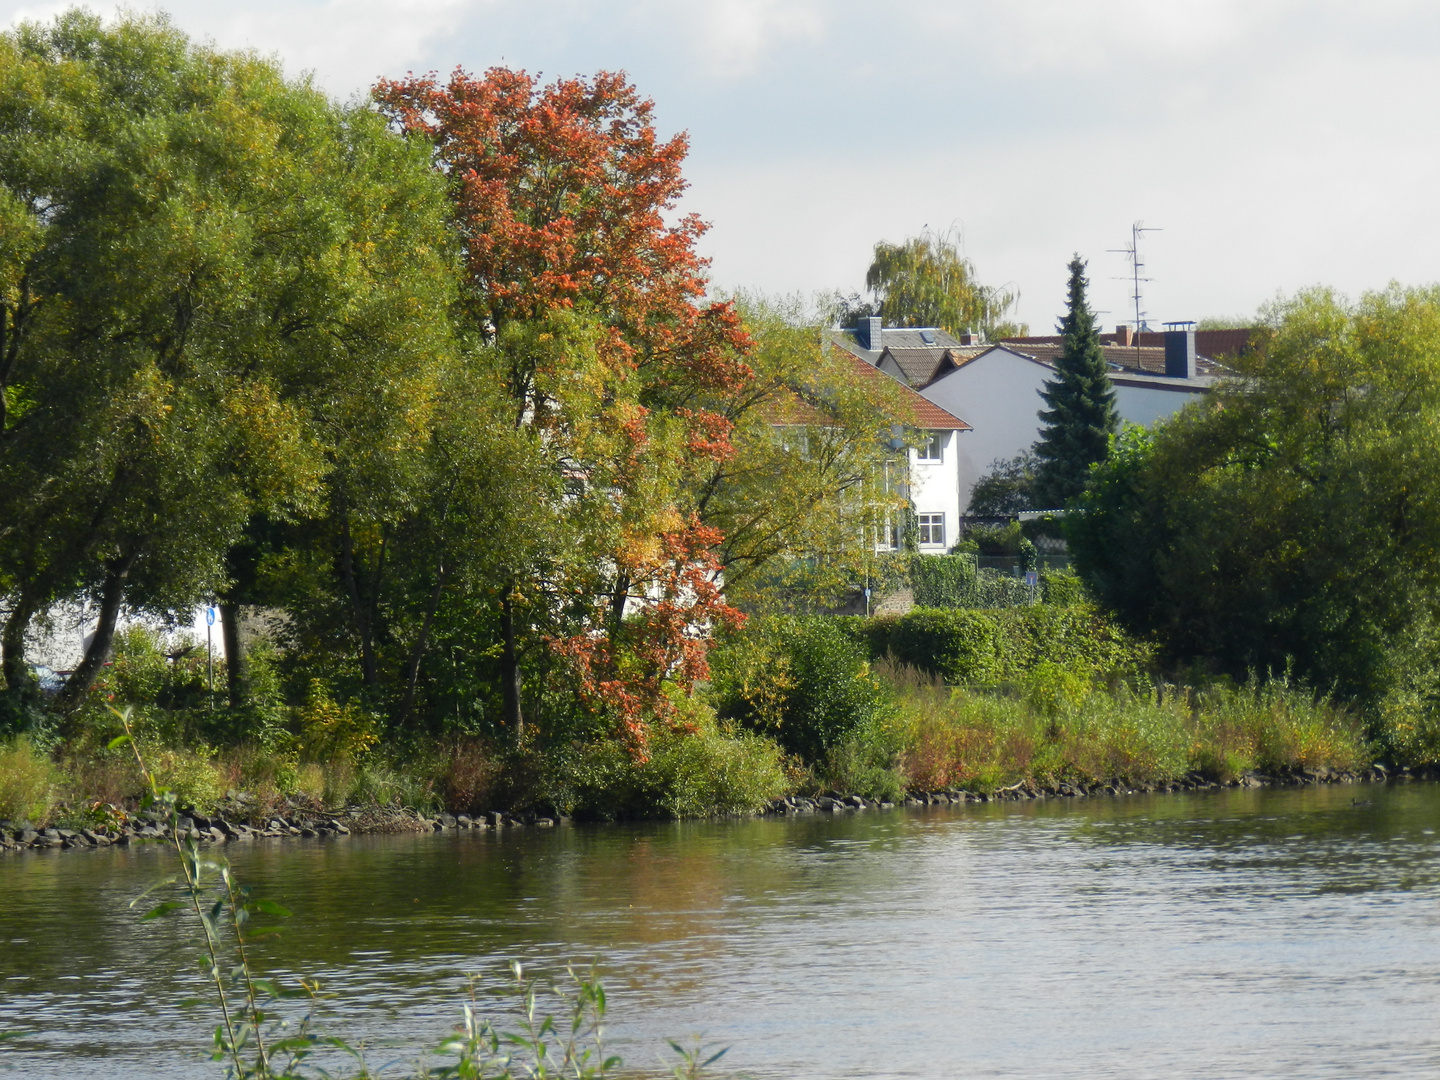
[
  {"x": 1052, "y": 728},
  {"x": 27, "y": 782}
]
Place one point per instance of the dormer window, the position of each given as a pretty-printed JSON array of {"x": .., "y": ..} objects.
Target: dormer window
[{"x": 933, "y": 448}]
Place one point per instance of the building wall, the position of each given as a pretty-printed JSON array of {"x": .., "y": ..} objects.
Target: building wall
[
  {"x": 1144, "y": 405},
  {"x": 935, "y": 486},
  {"x": 998, "y": 394}
]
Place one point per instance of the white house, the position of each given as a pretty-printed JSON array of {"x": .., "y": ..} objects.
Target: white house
[
  {"x": 931, "y": 470},
  {"x": 998, "y": 390}
]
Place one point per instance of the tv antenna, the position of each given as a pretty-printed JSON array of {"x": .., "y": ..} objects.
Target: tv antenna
[{"x": 1137, "y": 269}]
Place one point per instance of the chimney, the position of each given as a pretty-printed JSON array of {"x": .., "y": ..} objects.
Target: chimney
[
  {"x": 868, "y": 333},
  {"x": 1180, "y": 350},
  {"x": 970, "y": 339},
  {"x": 1122, "y": 336}
]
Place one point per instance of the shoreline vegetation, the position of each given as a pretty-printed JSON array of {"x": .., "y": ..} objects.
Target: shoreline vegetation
[
  {"x": 226, "y": 825},
  {"x": 537, "y": 525},
  {"x": 799, "y": 714}
]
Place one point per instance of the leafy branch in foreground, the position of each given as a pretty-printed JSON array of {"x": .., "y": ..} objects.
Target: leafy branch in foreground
[{"x": 210, "y": 891}]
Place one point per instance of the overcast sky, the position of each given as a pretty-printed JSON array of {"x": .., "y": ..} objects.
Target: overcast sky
[{"x": 1277, "y": 143}]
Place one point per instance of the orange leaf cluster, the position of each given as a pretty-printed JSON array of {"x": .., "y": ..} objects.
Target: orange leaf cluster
[{"x": 665, "y": 641}]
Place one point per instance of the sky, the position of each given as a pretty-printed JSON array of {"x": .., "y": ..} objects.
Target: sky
[{"x": 1273, "y": 144}]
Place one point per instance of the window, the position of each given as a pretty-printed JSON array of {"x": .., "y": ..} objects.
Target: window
[
  {"x": 932, "y": 528},
  {"x": 933, "y": 448}
]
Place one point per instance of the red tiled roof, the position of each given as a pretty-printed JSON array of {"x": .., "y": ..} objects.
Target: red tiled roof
[{"x": 928, "y": 415}]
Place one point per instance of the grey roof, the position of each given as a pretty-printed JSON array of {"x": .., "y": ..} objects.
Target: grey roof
[
  {"x": 1145, "y": 360},
  {"x": 921, "y": 367},
  {"x": 908, "y": 337},
  {"x": 898, "y": 337}
]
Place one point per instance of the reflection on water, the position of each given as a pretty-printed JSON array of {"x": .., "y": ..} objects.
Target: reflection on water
[{"x": 1235, "y": 934}]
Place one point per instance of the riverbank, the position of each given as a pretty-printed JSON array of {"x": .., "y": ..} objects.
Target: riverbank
[{"x": 235, "y": 822}]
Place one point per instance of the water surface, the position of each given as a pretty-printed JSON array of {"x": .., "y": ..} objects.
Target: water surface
[{"x": 1233, "y": 934}]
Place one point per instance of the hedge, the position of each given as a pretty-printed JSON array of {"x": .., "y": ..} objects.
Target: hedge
[{"x": 984, "y": 647}]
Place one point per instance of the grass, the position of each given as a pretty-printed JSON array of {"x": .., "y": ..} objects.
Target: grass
[
  {"x": 1054, "y": 728},
  {"x": 27, "y": 782}
]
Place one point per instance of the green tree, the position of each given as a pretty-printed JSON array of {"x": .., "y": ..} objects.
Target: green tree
[
  {"x": 928, "y": 281},
  {"x": 1292, "y": 518},
  {"x": 220, "y": 291},
  {"x": 1006, "y": 488},
  {"x": 583, "y": 297},
  {"x": 1081, "y": 418},
  {"x": 803, "y": 500}
]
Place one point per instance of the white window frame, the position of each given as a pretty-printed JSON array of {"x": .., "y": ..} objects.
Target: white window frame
[
  {"x": 934, "y": 440},
  {"x": 928, "y": 524}
]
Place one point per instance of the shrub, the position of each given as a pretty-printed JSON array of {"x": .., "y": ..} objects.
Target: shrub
[
  {"x": 686, "y": 774},
  {"x": 469, "y": 777},
  {"x": 943, "y": 580},
  {"x": 961, "y": 646},
  {"x": 27, "y": 782},
  {"x": 869, "y": 762},
  {"x": 1062, "y": 588},
  {"x": 802, "y": 681},
  {"x": 151, "y": 670},
  {"x": 330, "y": 731},
  {"x": 997, "y": 539},
  {"x": 191, "y": 774}
]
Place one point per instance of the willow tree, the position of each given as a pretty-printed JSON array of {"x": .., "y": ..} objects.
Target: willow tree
[
  {"x": 928, "y": 281},
  {"x": 212, "y": 280}
]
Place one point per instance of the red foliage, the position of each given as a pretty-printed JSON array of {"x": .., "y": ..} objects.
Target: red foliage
[
  {"x": 667, "y": 638},
  {"x": 561, "y": 194}
]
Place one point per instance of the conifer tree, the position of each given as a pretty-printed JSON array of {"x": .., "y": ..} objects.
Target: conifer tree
[{"x": 1081, "y": 416}]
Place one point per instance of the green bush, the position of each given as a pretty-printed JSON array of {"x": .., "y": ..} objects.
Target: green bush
[
  {"x": 1062, "y": 588},
  {"x": 143, "y": 672},
  {"x": 685, "y": 774},
  {"x": 997, "y": 539},
  {"x": 983, "y": 648},
  {"x": 943, "y": 580},
  {"x": 27, "y": 782},
  {"x": 959, "y": 645},
  {"x": 191, "y": 774},
  {"x": 802, "y": 681},
  {"x": 869, "y": 762}
]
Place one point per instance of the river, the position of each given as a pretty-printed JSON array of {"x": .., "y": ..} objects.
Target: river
[{"x": 1267, "y": 933}]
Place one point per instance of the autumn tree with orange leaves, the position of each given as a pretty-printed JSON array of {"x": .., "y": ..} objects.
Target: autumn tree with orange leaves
[{"x": 586, "y": 310}]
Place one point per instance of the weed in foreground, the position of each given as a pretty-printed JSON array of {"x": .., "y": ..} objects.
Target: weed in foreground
[{"x": 256, "y": 1042}]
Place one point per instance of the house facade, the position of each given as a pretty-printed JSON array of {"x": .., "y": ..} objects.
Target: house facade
[
  {"x": 928, "y": 459},
  {"x": 999, "y": 391}
]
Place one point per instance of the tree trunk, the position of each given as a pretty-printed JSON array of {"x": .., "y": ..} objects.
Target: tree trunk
[
  {"x": 12, "y": 643},
  {"x": 368, "y": 666},
  {"x": 510, "y": 672},
  {"x": 618, "y": 597},
  {"x": 422, "y": 642},
  {"x": 237, "y": 677},
  {"x": 111, "y": 595}
]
